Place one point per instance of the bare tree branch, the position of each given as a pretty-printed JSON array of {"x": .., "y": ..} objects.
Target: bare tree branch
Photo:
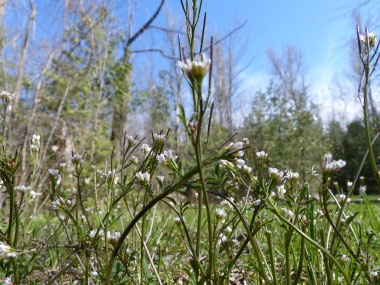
[{"x": 147, "y": 24}]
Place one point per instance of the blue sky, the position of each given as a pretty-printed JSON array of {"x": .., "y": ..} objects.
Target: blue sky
[{"x": 320, "y": 29}]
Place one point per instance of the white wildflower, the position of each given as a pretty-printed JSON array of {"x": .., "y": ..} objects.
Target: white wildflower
[
  {"x": 288, "y": 213},
  {"x": 7, "y": 96},
  {"x": 256, "y": 203},
  {"x": 330, "y": 166},
  {"x": 77, "y": 159},
  {"x": 160, "y": 138},
  {"x": 281, "y": 191},
  {"x": 247, "y": 169},
  {"x": 177, "y": 220},
  {"x": 196, "y": 69},
  {"x": 60, "y": 202},
  {"x": 23, "y": 188},
  {"x": 143, "y": 177},
  {"x": 225, "y": 163},
  {"x": 220, "y": 214},
  {"x": 274, "y": 173},
  {"x": 134, "y": 159},
  {"x": 262, "y": 155},
  {"x": 161, "y": 178},
  {"x": 131, "y": 140},
  {"x": 54, "y": 148},
  {"x": 291, "y": 175},
  {"x": 146, "y": 148}
]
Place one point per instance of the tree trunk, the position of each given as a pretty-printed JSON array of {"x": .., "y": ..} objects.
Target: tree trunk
[
  {"x": 20, "y": 71},
  {"x": 120, "y": 104}
]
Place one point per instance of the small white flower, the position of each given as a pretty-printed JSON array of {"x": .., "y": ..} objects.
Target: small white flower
[
  {"x": 363, "y": 188},
  {"x": 177, "y": 220},
  {"x": 239, "y": 163},
  {"x": 131, "y": 141},
  {"x": 330, "y": 166},
  {"x": 35, "y": 142},
  {"x": 256, "y": 203},
  {"x": 345, "y": 258},
  {"x": 54, "y": 148},
  {"x": 247, "y": 169},
  {"x": 12, "y": 254},
  {"x": 94, "y": 274},
  {"x": 77, "y": 159},
  {"x": 143, "y": 177},
  {"x": 114, "y": 237},
  {"x": 146, "y": 148},
  {"x": 4, "y": 248},
  {"x": 5, "y": 95},
  {"x": 262, "y": 155},
  {"x": 134, "y": 159},
  {"x": 60, "y": 202},
  {"x": 228, "y": 230},
  {"x": 320, "y": 212},
  {"x": 23, "y": 188},
  {"x": 195, "y": 69},
  {"x": 288, "y": 213},
  {"x": 223, "y": 240},
  {"x": 281, "y": 191},
  {"x": 161, "y": 178},
  {"x": 291, "y": 175},
  {"x": 225, "y": 163},
  {"x": 274, "y": 173},
  {"x": 220, "y": 214},
  {"x": 371, "y": 37},
  {"x": 159, "y": 138},
  {"x": 349, "y": 184},
  {"x": 235, "y": 149},
  {"x": 7, "y": 281},
  {"x": 373, "y": 274}
]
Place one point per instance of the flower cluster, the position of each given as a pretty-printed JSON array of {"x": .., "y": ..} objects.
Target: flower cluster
[
  {"x": 6, "y": 250},
  {"x": 142, "y": 178},
  {"x": 6, "y": 96},
  {"x": 59, "y": 203},
  {"x": 330, "y": 166},
  {"x": 110, "y": 176},
  {"x": 112, "y": 238},
  {"x": 23, "y": 188},
  {"x": 371, "y": 39},
  {"x": 343, "y": 197},
  {"x": 159, "y": 138},
  {"x": 131, "y": 140},
  {"x": 220, "y": 214},
  {"x": 288, "y": 213},
  {"x": 54, "y": 175},
  {"x": 77, "y": 159},
  {"x": 235, "y": 149},
  {"x": 168, "y": 159},
  {"x": 35, "y": 142},
  {"x": 275, "y": 174},
  {"x": 291, "y": 176},
  {"x": 261, "y": 155},
  {"x": 146, "y": 148},
  {"x": 195, "y": 69}
]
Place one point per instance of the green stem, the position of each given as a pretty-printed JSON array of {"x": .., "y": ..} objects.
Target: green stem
[
  {"x": 367, "y": 126},
  {"x": 198, "y": 154}
]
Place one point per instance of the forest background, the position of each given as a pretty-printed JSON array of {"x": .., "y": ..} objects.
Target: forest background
[{"x": 84, "y": 72}]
